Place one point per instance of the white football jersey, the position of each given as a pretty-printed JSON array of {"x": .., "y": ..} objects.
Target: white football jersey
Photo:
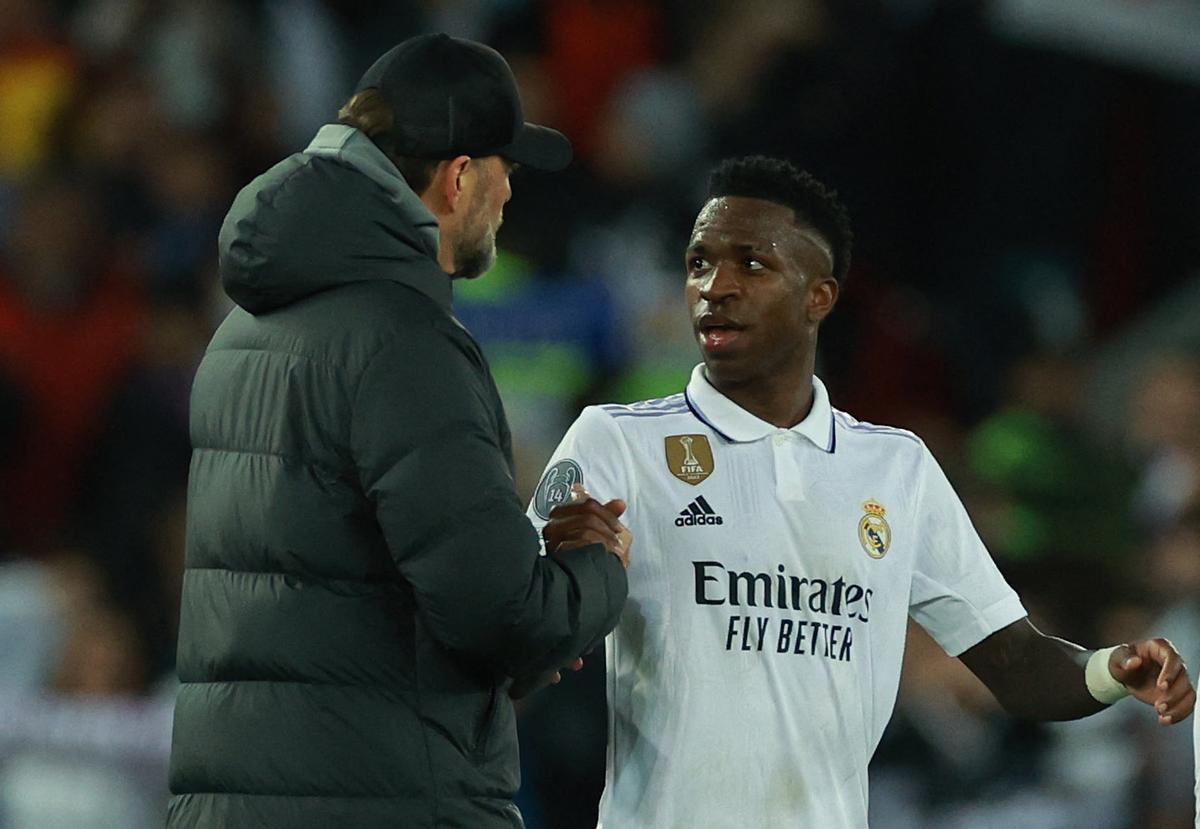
[{"x": 757, "y": 660}]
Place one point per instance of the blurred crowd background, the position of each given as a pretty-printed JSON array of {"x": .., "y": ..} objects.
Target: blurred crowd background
[{"x": 1024, "y": 182}]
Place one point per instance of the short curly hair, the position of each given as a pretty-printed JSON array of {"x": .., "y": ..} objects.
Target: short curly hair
[{"x": 780, "y": 181}]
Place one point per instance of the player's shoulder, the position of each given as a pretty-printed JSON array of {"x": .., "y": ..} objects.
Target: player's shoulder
[
  {"x": 643, "y": 416},
  {"x": 850, "y": 430},
  {"x": 630, "y": 419},
  {"x": 656, "y": 407}
]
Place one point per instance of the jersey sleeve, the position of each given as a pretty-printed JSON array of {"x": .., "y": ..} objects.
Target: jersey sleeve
[
  {"x": 592, "y": 452},
  {"x": 1196, "y": 753},
  {"x": 958, "y": 595}
]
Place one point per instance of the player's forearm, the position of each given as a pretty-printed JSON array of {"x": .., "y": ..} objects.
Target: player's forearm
[{"x": 1033, "y": 676}]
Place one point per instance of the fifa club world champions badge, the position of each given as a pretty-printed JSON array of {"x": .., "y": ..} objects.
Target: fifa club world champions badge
[
  {"x": 873, "y": 530},
  {"x": 689, "y": 457}
]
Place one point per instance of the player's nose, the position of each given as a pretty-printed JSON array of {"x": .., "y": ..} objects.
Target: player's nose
[{"x": 720, "y": 285}]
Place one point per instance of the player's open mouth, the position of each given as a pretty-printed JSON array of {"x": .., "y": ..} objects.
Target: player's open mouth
[{"x": 717, "y": 333}]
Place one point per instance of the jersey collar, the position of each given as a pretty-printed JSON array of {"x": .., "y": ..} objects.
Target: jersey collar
[{"x": 734, "y": 423}]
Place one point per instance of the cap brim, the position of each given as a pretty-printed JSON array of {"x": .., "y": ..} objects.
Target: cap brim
[{"x": 540, "y": 148}]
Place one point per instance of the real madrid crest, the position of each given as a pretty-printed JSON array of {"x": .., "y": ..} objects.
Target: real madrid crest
[
  {"x": 873, "y": 530},
  {"x": 689, "y": 457}
]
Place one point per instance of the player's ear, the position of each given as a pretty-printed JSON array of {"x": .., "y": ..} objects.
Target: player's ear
[{"x": 822, "y": 296}]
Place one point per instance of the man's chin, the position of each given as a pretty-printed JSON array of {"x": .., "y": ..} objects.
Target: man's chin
[
  {"x": 475, "y": 266},
  {"x": 725, "y": 370}
]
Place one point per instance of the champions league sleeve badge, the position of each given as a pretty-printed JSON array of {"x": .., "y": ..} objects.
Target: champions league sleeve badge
[
  {"x": 555, "y": 487},
  {"x": 689, "y": 457},
  {"x": 873, "y": 531}
]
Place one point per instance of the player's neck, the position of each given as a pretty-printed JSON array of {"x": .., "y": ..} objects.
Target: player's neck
[{"x": 781, "y": 398}]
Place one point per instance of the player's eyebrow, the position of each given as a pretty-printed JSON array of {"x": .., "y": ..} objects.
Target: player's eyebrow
[
  {"x": 737, "y": 247},
  {"x": 754, "y": 247}
]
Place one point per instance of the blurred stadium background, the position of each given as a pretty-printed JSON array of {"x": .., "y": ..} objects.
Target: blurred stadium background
[{"x": 1024, "y": 179}]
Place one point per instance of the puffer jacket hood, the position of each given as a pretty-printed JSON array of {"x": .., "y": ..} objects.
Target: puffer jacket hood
[{"x": 276, "y": 249}]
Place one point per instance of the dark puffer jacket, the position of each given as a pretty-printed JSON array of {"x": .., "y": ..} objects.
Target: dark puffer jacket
[{"x": 361, "y": 578}]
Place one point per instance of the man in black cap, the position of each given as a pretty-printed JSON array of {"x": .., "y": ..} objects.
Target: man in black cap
[{"x": 361, "y": 580}]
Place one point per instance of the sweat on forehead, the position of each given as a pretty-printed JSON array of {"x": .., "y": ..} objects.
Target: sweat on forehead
[{"x": 744, "y": 220}]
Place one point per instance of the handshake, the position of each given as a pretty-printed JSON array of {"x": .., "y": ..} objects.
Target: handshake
[
  {"x": 579, "y": 522},
  {"x": 583, "y": 520}
]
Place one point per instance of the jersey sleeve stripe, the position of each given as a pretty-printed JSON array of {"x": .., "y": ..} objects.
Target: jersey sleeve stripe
[
  {"x": 675, "y": 401},
  {"x": 663, "y": 413},
  {"x": 850, "y": 424}
]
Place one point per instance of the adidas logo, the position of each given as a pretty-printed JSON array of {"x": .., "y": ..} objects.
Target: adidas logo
[{"x": 697, "y": 512}]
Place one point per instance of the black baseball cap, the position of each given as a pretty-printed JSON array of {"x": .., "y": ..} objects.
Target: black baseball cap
[{"x": 458, "y": 97}]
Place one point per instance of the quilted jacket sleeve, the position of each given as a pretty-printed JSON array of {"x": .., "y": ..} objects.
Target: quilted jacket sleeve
[{"x": 426, "y": 445}]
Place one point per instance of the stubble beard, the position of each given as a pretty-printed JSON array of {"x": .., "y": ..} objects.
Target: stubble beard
[{"x": 474, "y": 257}]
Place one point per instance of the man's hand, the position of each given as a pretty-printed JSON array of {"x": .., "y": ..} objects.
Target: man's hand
[
  {"x": 1039, "y": 677},
  {"x": 583, "y": 521},
  {"x": 1154, "y": 673},
  {"x": 524, "y": 686}
]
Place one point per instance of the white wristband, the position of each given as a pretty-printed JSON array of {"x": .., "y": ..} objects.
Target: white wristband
[{"x": 1100, "y": 682}]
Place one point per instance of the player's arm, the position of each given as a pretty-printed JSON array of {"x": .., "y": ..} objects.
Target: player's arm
[
  {"x": 428, "y": 457},
  {"x": 960, "y": 597},
  {"x": 588, "y": 474},
  {"x": 1039, "y": 677}
]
